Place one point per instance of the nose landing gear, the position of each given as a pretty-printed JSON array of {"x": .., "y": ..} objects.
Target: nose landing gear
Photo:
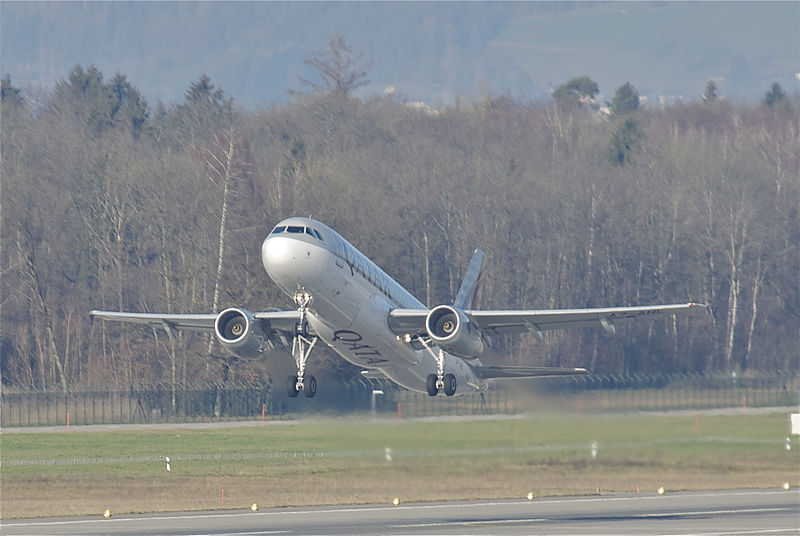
[
  {"x": 302, "y": 344},
  {"x": 308, "y": 386}
]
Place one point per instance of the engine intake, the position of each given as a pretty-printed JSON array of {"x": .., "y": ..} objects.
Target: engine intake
[
  {"x": 451, "y": 329},
  {"x": 239, "y": 333}
]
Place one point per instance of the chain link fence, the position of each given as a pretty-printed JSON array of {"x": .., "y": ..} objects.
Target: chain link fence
[{"x": 231, "y": 401}]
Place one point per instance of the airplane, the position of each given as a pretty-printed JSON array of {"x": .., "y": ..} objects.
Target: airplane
[{"x": 345, "y": 300}]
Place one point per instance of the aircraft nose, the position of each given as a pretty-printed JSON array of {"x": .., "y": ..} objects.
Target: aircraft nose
[
  {"x": 292, "y": 262},
  {"x": 276, "y": 256}
]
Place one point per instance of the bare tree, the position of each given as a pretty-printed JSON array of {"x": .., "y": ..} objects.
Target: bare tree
[{"x": 340, "y": 70}]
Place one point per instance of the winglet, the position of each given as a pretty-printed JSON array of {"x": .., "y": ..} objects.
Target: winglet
[
  {"x": 708, "y": 310},
  {"x": 700, "y": 308},
  {"x": 469, "y": 293}
]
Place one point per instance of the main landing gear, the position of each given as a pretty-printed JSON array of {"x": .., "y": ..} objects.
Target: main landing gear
[
  {"x": 302, "y": 345},
  {"x": 440, "y": 380}
]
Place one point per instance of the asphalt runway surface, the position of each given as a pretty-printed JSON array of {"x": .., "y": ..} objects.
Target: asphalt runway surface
[{"x": 689, "y": 513}]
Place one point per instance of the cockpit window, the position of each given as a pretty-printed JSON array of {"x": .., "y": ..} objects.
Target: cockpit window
[{"x": 298, "y": 229}]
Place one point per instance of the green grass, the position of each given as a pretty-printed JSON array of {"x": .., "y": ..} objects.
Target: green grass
[{"x": 343, "y": 461}]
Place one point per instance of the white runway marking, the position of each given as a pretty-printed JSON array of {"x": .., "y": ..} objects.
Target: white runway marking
[
  {"x": 724, "y": 513},
  {"x": 357, "y": 509}
]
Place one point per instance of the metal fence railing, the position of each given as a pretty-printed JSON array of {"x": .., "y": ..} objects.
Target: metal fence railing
[
  {"x": 664, "y": 392},
  {"x": 157, "y": 403},
  {"x": 205, "y": 402}
]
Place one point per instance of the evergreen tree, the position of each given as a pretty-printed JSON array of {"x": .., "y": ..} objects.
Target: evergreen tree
[
  {"x": 774, "y": 96},
  {"x": 85, "y": 93},
  {"x": 624, "y": 139},
  {"x": 127, "y": 104},
  {"x": 577, "y": 91},
  {"x": 205, "y": 111},
  {"x": 710, "y": 93},
  {"x": 102, "y": 105},
  {"x": 626, "y": 100},
  {"x": 10, "y": 94}
]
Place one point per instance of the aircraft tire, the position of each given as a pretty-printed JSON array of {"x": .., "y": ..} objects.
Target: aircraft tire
[
  {"x": 449, "y": 384},
  {"x": 310, "y": 386},
  {"x": 291, "y": 387},
  {"x": 430, "y": 385}
]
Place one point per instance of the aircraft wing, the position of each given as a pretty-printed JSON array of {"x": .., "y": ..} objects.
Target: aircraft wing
[
  {"x": 178, "y": 321},
  {"x": 277, "y": 320},
  {"x": 504, "y": 322},
  {"x": 490, "y": 323},
  {"x": 488, "y": 373}
]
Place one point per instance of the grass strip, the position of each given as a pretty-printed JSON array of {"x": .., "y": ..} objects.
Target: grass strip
[{"x": 345, "y": 461}]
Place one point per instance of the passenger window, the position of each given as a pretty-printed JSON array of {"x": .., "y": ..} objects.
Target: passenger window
[
  {"x": 278, "y": 229},
  {"x": 294, "y": 229}
]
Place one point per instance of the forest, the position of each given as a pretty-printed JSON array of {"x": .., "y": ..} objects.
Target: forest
[{"x": 109, "y": 202}]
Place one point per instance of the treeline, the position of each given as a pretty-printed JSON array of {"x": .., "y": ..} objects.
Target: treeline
[{"x": 109, "y": 202}]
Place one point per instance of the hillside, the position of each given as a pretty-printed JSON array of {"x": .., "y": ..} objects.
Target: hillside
[{"x": 435, "y": 52}]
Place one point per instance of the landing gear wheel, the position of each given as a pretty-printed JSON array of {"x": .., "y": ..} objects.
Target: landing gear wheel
[
  {"x": 310, "y": 386},
  {"x": 449, "y": 384},
  {"x": 430, "y": 385},
  {"x": 291, "y": 387}
]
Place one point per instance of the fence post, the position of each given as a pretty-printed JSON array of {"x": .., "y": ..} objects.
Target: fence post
[
  {"x": 132, "y": 406},
  {"x": 46, "y": 407}
]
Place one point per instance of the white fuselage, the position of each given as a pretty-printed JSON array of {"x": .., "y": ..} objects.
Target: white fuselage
[{"x": 352, "y": 298}]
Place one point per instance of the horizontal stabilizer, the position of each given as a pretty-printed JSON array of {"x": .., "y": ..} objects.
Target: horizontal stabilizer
[
  {"x": 488, "y": 373},
  {"x": 373, "y": 374}
]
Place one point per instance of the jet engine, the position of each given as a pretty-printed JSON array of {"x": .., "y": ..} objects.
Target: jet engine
[
  {"x": 450, "y": 328},
  {"x": 239, "y": 333}
]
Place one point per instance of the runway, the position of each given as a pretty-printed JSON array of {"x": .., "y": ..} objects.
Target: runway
[{"x": 750, "y": 512}]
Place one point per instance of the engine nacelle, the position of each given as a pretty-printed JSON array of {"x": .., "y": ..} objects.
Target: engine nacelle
[
  {"x": 239, "y": 333},
  {"x": 453, "y": 332}
]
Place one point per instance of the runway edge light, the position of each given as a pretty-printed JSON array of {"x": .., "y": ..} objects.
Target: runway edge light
[
  {"x": 661, "y": 490},
  {"x": 786, "y": 486},
  {"x": 531, "y": 496},
  {"x": 107, "y": 514},
  {"x": 254, "y": 507},
  {"x": 395, "y": 501}
]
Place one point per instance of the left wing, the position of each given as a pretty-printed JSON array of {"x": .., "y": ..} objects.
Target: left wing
[
  {"x": 490, "y": 323},
  {"x": 241, "y": 332},
  {"x": 276, "y": 320},
  {"x": 198, "y": 322}
]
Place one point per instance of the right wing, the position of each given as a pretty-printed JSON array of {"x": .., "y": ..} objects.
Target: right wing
[{"x": 504, "y": 322}]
